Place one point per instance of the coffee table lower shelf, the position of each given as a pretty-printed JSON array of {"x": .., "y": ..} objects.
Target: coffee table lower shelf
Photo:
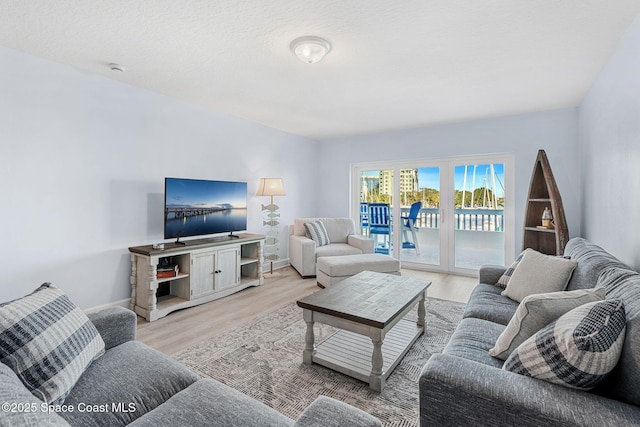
[{"x": 350, "y": 353}]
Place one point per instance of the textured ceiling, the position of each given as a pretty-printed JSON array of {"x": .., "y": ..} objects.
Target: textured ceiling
[{"x": 394, "y": 64}]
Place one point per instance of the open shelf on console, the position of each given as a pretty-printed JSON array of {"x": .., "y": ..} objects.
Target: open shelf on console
[
  {"x": 176, "y": 277},
  {"x": 208, "y": 269}
]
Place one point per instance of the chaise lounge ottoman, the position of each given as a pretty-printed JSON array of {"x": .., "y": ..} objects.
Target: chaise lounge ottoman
[{"x": 334, "y": 269}]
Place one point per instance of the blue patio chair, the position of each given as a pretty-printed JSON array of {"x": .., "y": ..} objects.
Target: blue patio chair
[
  {"x": 364, "y": 217},
  {"x": 409, "y": 223},
  {"x": 380, "y": 223}
]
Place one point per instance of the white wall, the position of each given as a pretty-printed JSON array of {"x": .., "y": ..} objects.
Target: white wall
[
  {"x": 83, "y": 166},
  {"x": 609, "y": 135},
  {"x": 523, "y": 135}
]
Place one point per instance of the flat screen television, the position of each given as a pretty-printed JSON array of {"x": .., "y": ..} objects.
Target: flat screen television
[{"x": 195, "y": 207}]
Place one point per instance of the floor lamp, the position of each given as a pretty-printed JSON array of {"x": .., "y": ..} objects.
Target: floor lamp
[{"x": 271, "y": 187}]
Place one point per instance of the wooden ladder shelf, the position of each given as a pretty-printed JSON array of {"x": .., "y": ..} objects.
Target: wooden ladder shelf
[{"x": 543, "y": 193}]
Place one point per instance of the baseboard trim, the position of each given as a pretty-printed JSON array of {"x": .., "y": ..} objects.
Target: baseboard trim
[
  {"x": 122, "y": 303},
  {"x": 278, "y": 264}
]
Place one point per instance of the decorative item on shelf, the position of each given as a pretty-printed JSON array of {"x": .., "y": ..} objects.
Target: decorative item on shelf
[
  {"x": 271, "y": 187},
  {"x": 166, "y": 269},
  {"x": 547, "y": 218}
]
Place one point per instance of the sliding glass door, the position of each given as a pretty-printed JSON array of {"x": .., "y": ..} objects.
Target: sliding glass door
[
  {"x": 450, "y": 215},
  {"x": 478, "y": 213},
  {"x": 420, "y": 216},
  {"x": 376, "y": 207}
]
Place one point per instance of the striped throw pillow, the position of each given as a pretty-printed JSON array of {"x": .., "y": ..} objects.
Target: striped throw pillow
[
  {"x": 317, "y": 232},
  {"x": 48, "y": 342},
  {"x": 578, "y": 350},
  {"x": 537, "y": 311},
  {"x": 504, "y": 279}
]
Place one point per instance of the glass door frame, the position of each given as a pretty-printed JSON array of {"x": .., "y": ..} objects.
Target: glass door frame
[
  {"x": 354, "y": 197},
  {"x": 447, "y": 193},
  {"x": 508, "y": 160}
]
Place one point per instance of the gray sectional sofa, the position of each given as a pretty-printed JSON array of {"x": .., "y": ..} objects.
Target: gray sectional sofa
[
  {"x": 132, "y": 384},
  {"x": 465, "y": 386}
]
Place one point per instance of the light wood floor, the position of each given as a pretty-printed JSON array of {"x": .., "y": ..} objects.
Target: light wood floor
[{"x": 184, "y": 328}]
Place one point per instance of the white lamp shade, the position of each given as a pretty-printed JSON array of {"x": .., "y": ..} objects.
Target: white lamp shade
[{"x": 270, "y": 187}]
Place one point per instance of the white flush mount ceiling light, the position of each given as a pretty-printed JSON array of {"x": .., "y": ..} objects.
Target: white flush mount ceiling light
[{"x": 310, "y": 49}]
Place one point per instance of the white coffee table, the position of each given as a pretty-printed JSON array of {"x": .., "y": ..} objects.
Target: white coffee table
[{"x": 369, "y": 310}]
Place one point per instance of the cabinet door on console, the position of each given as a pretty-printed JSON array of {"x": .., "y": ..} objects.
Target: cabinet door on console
[
  {"x": 228, "y": 268},
  {"x": 203, "y": 276}
]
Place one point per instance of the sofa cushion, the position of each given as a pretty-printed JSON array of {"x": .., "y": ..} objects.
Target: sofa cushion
[
  {"x": 336, "y": 249},
  {"x": 592, "y": 259},
  {"x": 298, "y": 228},
  {"x": 48, "y": 342},
  {"x": 339, "y": 229},
  {"x": 337, "y": 266},
  {"x": 472, "y": 340},
  {"x": 578, "y": 350},
  {"x": 622, "y": 384},
  {"x": 486, "y": 303},
  {"x": 328, "y": 412},
  {"x": 132, "y": 375},
  {"x": 538, "y": 273},
  {"x": 317, "y": 232},
  {"x": 624, "y": 284},
  {"x": 22, "y": 408},
  {"x": 209, "y": 403},
  {"x": 504, "y": 279},
  {"x": 537, "y": 311}
]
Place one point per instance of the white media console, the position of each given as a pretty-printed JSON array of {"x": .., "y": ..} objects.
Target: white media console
[{"x": 208, "y": 269}]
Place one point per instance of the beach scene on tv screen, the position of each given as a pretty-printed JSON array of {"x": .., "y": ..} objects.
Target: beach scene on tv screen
[{"x": 198, "y": 207}]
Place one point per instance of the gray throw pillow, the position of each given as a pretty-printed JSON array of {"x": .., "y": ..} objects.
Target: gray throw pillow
[
  {"x": 317, "y": 232},
  {"x": 537, "y": 273},
  {"x": 48, "y": 342},
  {"x": 537, "y": 311},
  {"x": 578, "y": 350}
]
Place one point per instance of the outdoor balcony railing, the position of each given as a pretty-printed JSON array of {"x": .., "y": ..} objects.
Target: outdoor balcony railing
[{"x": 465, "y": 219}]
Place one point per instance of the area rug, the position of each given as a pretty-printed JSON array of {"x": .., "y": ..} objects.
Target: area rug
[{"x": 263, "y": 359}]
